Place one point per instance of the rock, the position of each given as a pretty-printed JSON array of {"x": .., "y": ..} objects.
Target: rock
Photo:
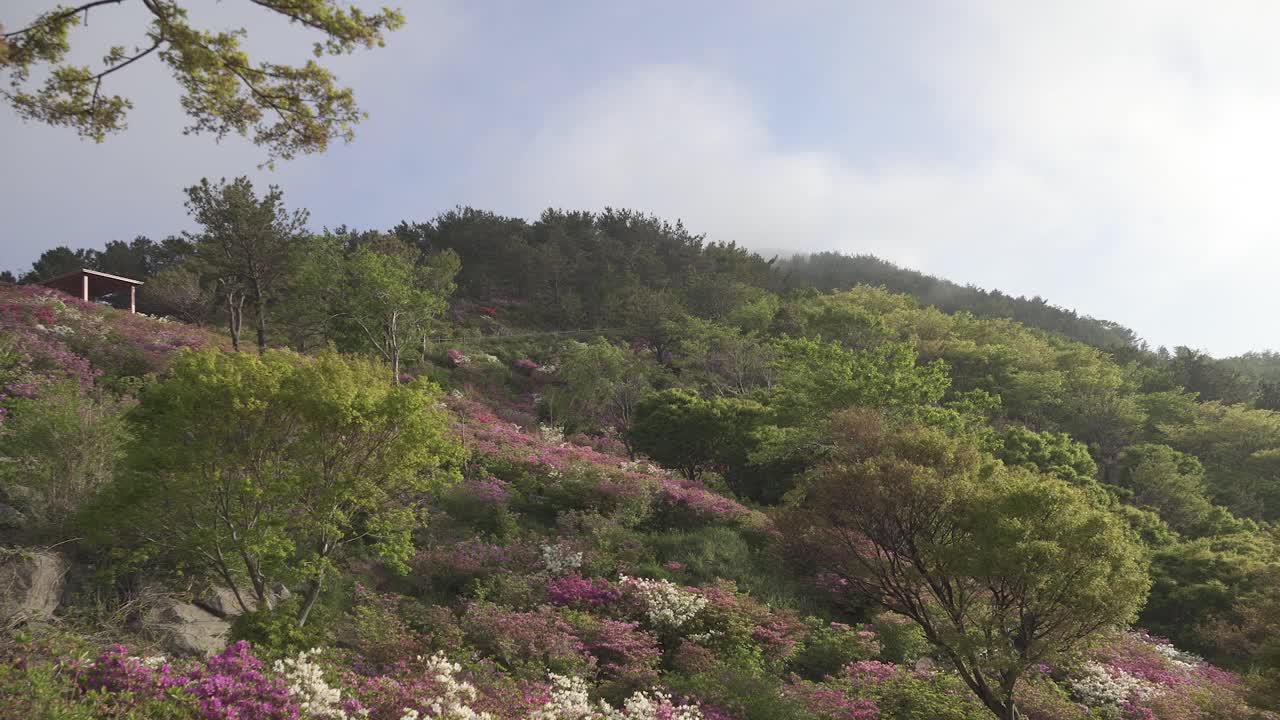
[
  {"x": 31, "y": 583},
  {"x": 282, "y": 593},
  {"x": 222, "y": 602},
  {"x": 188, "y": 630},
  {"x": 11, "y": 517}
]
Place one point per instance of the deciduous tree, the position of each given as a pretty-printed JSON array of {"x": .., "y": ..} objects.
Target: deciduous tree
[
  {"x": 266, "y": 468},
  {"x": 1002, "y": 568}
]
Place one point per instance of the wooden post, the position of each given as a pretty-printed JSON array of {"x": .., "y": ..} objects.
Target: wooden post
[
  {"x": 133, "y": 299},
  {"x": 84, "y": 287}
]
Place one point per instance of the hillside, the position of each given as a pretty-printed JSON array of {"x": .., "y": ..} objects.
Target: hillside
[{"x": 650, "y": 479}]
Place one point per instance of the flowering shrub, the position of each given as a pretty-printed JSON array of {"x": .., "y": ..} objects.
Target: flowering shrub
[
  {"x": 576, "y": 591},
  {"x": 116, "y": 671},
  {"x": 833, "y": 702},
  {"x": 666, "y": 606},
  {"x": 558, "y": 559},
  {"x": 455, "y": 357},
  {"x": 623, "y": 652},
  {"x": 526, "y": 641},
  {"x": 525, "y": 365},
  {"x": 489, "y": 490},
  {"x": 571, "y": 700},
  {"x": 316, "y": 698},
  {"x": 1100, "y": 686}
]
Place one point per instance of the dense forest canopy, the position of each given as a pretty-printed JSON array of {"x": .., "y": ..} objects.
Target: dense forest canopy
[{"x": 519, "y": 467}]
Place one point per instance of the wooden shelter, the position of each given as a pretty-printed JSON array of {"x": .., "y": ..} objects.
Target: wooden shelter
[{"x": 91, "y": 284}]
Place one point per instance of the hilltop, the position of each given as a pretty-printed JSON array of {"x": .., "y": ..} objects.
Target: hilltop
[{"x": 527, "y": 471}]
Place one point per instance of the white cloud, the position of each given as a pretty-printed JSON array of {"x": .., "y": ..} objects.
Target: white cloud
[{"x": 1129, "y": 155}]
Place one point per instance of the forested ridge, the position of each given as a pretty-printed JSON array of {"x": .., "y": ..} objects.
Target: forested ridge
[{"x": 594, "y": 465}]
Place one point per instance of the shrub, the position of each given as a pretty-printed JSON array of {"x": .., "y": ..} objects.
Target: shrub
[
  {"x": 527, "y": 643},
  {"x": 275, "y": 632},
  {"x": 62, "y": 446},
  {"x": 829, "y": 646}
]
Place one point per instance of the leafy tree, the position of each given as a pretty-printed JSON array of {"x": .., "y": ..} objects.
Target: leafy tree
[
  {"x": 176, "y": 292},
  {"x": 1208, "y": 378},
  {"x": 817, "y": 377},
  {"x": 723, "y": 360},
  {"x": 57, "y": 261},
  {"x": 57, "y": 450},
  {"x": 383, "y": 293},
  {"x": 1197, "y": 580},
  {"x": 1050, "y": 453},
  {"x": 269, "y": 468},
  {"x": 288, "y": 109},
  {"x": 1173, "y": 484},
  {"x": 1238, "y": 448},
  {"x": 245, "y": 245},
  {"x": 1001, "y": 568},
  {"x": 691, "y": 434},
  {"x": 599, "y": 385}
]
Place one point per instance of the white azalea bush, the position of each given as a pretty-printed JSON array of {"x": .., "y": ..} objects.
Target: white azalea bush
[
  {"x": 455, "y": 697},
  {"x": 560, "y": 559},
  {"x": 666, "y": 605},
  {"x": 1100, "y": 686},
  {"x": 571, "y": 700},
  {"x": 305, "y": 680}
]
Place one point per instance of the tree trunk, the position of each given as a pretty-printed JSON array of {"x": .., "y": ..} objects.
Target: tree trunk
[
  {"x": 235, "y": 317},
  {"x": 313, "y": 593},
  {"x": 260, "y": 308}
]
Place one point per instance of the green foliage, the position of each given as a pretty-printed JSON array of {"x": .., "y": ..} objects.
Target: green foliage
[
  {"x": 939, "y": 697},
  {"x": 244, "y": 247},
  {"x": 681, "y": 430},
  {"x": 270, "y": 468},
  {"x": 599, "y": 385},
  {"x": 1195, "y": 580},
  {"x": 1237, "y": 447},
  {"x": 57, "y": 450},
  {"x": 369, "y": 293},
  {"x": 827, "y": 648},
  {"x": 289, "y": 109},
  {"x": 901, "y": 640},
  {"x": 275, "y": 632},
  {"x": 1002, "y": 568},
  {"x": 1173, "y": 484},
  {"x": 1050, "y": 453}
]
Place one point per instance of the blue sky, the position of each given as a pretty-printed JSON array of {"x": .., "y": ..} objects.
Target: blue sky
[{"x": 1119, "y": 158}]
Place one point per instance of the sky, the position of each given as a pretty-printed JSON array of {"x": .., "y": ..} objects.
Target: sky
[{"x": 1120, "y": 158}]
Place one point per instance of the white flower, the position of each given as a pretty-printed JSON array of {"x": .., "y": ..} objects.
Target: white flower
[
  {"x": 1178, "y": 658},
  {"x": 452, "y": 703},
  {"x": 558, "y": 559},
  {"x": 306, "y": 683},
  {"x": 551, "y": 434},
  {"x": 1100, "y": 686},
  {"x": 571, "y": 700},
  {"x": 665, "y": 604}
]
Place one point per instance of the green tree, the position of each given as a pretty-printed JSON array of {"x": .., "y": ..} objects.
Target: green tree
[
  {"x": 1051, "y": 453},
  {"x": 288, "y": 109},
  {"x": 599, "y": 385},
  {"x": 1171, "y": 483},
  {"x": 57, "y": 450},
  {"x": 681, "y": 430},
  {"x": 384, "y": 293},
  {"x": 1240, "y": 450},
  {"x": 245, "y": 245},
  {"x": 268, "y": 468},
  {"x": 1001, "y": 568}
]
